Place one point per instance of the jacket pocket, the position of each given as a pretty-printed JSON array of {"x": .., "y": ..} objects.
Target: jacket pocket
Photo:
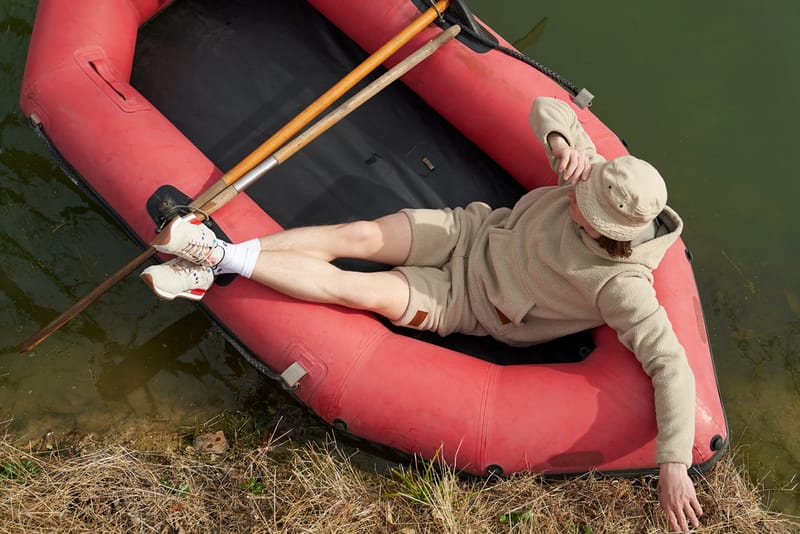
[{"x": 505, "y": 280}]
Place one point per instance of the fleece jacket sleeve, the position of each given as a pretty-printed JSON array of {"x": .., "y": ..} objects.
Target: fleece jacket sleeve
[
  {"x": 551, "y": 115},
  {"x": 629, "y": 305}
]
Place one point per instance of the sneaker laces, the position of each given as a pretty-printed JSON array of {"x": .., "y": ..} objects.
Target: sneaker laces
[
  {"x": 196, "y": 251},
  {"x": 182, "y": 266}
]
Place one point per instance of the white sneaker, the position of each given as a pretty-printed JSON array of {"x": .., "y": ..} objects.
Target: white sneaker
[
  {"x": 178, "y": 278},
  {"x": 188, "y": 238}
]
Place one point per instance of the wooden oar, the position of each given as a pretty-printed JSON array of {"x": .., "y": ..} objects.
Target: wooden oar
[{"x": 229, "y": 192}]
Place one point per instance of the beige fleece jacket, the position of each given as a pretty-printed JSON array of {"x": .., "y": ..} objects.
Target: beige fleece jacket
[{"x": 547, "y": 278}]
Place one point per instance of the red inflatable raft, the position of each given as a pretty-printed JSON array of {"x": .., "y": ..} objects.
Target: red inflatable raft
[{"x": 100, "y": 84}]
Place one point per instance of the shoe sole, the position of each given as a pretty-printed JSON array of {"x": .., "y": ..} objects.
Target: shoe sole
[
  {"x": 148, "y": 279},
  {"x": 164, "y": 236}
]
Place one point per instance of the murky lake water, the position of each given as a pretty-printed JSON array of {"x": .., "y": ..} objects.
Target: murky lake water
[{"x": 703, "y": 90}]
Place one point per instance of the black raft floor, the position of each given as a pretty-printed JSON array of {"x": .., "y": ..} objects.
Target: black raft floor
[{"x": 230, "y": 73}]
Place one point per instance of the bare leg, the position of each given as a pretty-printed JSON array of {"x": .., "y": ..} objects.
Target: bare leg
[
  {"x": 297, "y": 263},
  {"x": 385, "y": 240},
  {"x": 309, "y": 278}
]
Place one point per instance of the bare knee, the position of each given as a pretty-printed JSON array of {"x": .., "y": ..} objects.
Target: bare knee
[
  {"x": 384, "y": 240},
  {"x": 364, "y": 237}
]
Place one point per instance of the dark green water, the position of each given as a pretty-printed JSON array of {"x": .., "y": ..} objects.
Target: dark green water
[{"x": 704, "y": 90}]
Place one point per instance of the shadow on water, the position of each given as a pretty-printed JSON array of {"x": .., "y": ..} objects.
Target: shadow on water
[{"x": 134, "y": 366}]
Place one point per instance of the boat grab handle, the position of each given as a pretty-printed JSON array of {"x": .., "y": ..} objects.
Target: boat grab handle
[
  {"x": 292, "y": 375},
  {"x": 93, "y": 61}
]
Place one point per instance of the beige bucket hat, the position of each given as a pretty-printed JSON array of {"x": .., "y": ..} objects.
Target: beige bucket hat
[{"x": 621, "y": 197}]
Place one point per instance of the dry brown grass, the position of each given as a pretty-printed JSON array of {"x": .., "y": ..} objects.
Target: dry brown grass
[{"x": 274, "y": 486}]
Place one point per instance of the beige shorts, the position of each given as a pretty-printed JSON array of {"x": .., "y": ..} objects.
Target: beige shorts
[{"x": 437, "y": 266}]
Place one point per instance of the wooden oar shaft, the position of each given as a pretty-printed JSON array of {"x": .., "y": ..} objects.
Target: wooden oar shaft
[
  {"x": 353, "y": 103},
  {"x": 86, "y": 300},
  {"x": 302, "y": 119},
  {"x": 229, "y": 192}
]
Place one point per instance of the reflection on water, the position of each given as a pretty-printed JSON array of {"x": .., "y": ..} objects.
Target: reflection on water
[
  {"x": 702, "y": 113},
  {"x": 762, "y": 390},
  {"x": 528, "y": 40}
]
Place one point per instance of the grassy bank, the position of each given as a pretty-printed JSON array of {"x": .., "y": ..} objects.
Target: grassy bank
[{"x": 159, "y": 482}]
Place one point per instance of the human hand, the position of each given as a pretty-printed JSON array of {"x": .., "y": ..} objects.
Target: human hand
[
  {"x": 573, "y": 164},
  {"x": 677, "y": 497}
]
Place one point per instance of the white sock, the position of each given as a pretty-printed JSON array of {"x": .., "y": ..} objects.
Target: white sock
[{"x": 240, "y": 258}]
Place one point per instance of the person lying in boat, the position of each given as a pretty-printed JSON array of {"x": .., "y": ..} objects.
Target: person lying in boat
[{"x": 564, "y": 259}]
